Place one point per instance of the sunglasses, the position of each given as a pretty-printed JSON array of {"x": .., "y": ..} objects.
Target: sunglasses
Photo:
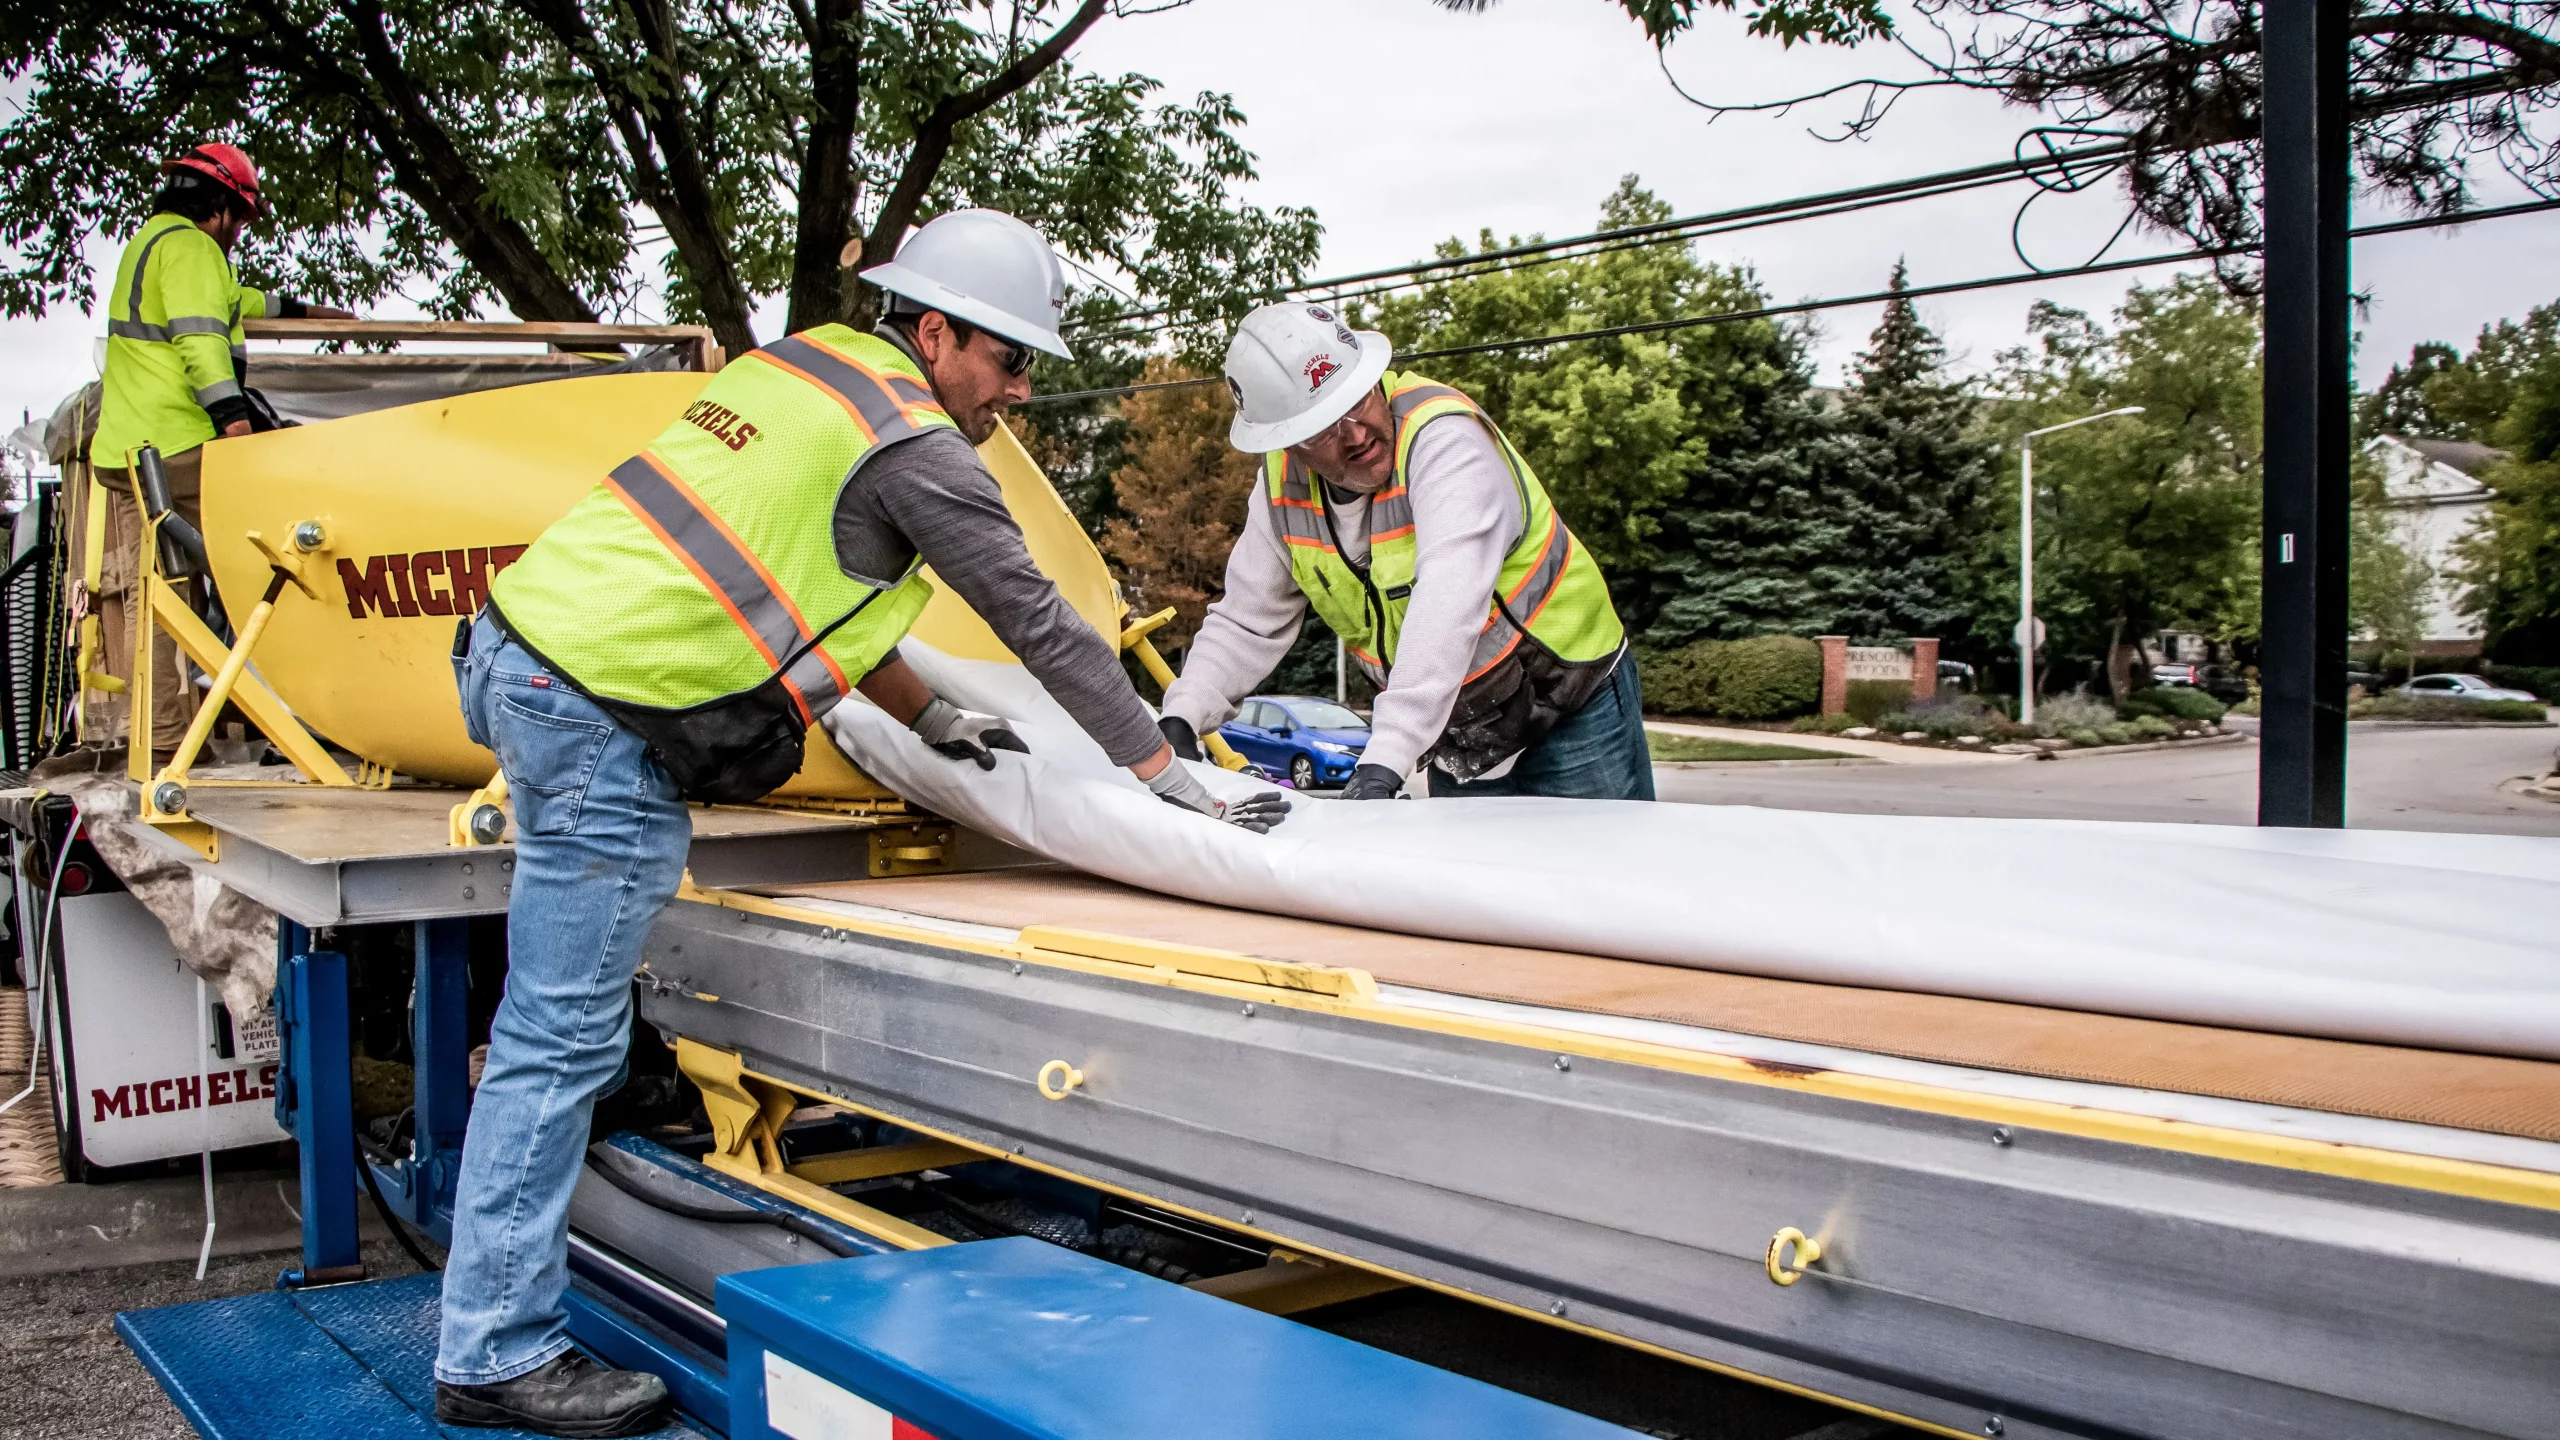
[{"x": 1014, "y": 358}]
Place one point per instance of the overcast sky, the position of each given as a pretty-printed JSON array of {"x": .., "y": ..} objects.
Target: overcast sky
[{"x": 1403, "y": 124}]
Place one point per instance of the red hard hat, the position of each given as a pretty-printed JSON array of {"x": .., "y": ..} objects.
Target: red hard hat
[{"x": 227, "y": 164}]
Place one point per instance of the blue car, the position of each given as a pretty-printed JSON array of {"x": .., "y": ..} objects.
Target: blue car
[{"x": 1313, "y": 742}]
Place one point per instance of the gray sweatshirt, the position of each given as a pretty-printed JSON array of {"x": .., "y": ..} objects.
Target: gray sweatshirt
[
  {"x": 1466, "y": 518},
  {"x": 931, "y": 495}
]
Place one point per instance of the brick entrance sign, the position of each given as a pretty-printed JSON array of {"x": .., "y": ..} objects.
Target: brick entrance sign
[{"x": 1843, "y": 662}]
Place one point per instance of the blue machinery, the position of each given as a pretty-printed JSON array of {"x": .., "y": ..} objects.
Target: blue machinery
[{"x": 1005, "y": 1339}]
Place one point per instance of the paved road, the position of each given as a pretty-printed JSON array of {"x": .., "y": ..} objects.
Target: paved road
[{"x": 2396, "y": 780}]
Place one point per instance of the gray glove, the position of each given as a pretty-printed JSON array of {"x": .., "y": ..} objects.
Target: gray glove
[
  {"x": 1257, "y": 813},
  {"x": 965, "y": 734}
]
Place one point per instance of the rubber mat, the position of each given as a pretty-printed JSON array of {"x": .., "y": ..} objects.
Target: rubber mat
[
  {"x": 2429, "y": 1087},
  {"x": 345, "y": 1362}
]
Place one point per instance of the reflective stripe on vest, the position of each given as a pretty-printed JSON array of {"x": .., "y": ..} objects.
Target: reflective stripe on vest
[
  {"x": 716, "y": 540},
  {"x": 735, "y": 577},
  {"x": 1298, "y": 514}
]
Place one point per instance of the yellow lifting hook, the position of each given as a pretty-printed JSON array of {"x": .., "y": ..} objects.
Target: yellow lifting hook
[
  {"x": 1066, "y": 1077},
  {"x": 1791, "y": 1253}
]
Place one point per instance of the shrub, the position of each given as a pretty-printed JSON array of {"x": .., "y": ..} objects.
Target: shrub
[
  {"x": 1945, "y": 717},
  {"x": 2175, "y": 702},
  {"x": 1768, "y": 677},
  {"x": 1825, "y": 724},
  {"x": 1672, "y": 682},
  {"x": 2542, "y": 680},
  {"x": 2154, "y": 727},
  {"x": 2065, "y": 713},
  {"x": 1872, "y": 700},
  {"x": 2118, "y": 732},
  {"x": 2406, "y": 707},
  {"x": 2084, "y": 736}
]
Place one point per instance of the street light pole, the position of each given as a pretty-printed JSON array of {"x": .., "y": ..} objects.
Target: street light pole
[{"x": 2027, "y": 555}]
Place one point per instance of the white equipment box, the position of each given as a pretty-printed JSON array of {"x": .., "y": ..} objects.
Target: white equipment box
[{"x": 151, "y": 1083}]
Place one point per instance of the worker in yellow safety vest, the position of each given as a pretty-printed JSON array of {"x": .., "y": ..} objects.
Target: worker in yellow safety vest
[
  {"x": 673, "y": 637},
  {"x": 1394, "y": 507},
  {"x": 176, "y": 377}
]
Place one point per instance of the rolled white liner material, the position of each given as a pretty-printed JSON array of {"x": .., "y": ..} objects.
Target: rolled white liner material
[{"x": 2444, "y": 941}]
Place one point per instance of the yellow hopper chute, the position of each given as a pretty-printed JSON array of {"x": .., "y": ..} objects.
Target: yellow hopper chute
[{"x": 418, "y": 505}]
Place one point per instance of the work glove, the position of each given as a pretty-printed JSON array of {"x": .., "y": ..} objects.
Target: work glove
[
  {"x": 1257, "y": 813},
  {"x": 1372, "y": 782},
  {"x": 965, "y": 734},
  {"x": 1179, "y": 734}
]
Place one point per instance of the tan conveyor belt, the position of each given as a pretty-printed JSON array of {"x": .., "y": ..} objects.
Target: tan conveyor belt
[{"x": 2496, "y": 1094}]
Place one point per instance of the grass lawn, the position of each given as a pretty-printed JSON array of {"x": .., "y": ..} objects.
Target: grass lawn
[{"x": 1694, "y": 747}]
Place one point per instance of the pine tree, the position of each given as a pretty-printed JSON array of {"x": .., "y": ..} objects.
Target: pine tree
[
  {"x": 1910, "y": 474},
  {"x": 1819, "y": 518}
]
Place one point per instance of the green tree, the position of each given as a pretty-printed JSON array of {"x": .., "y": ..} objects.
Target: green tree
[
  {"x": 1615, "y": 428},
  {"x": 526, "y": 152},
  {"x": 2509, "y": 565},
  {"x": 2146, "y": 522},
  {"x": 1909, "y": 473},
  {"x": 2448, "y": 395}
]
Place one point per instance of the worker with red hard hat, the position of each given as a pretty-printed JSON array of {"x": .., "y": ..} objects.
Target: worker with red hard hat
[{"x": 176, "y": 376}]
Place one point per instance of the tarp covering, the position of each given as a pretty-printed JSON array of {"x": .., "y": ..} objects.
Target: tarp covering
[{"x": 2444, "y": 941}]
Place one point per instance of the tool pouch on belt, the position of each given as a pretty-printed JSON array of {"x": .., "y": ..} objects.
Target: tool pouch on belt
[
  {"x": 1513, "y": 704},
  {"x": 728, "y": 751}
]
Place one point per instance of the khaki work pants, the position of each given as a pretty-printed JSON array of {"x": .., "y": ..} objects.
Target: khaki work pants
[{"x": 119, "y": 605}]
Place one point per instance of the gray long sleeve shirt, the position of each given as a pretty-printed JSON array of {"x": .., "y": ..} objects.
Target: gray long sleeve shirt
[
  {"x": 1466, "y": 518},
  {"x": 931, "y": 495}
]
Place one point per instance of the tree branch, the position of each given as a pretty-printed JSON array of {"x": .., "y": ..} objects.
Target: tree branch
[{"x": 935, "y": 132}]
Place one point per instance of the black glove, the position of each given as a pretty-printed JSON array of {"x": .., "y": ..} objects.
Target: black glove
[
  {"x": 1179, "y": 734},
  {"x": 965, "y": 734},
  {"x": 1372, "y": 782},
  {"x": 227, "y": 412}
]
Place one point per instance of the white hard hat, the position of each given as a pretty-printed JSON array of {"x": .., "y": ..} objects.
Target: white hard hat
[
  {"x": 1295, "y": 368},
  {"x": 987, "y": 268}
]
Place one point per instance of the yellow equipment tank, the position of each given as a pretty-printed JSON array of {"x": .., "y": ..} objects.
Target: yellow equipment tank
[{"x": 421, "y": 504}]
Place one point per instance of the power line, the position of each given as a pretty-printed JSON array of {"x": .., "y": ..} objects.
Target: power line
[
  {"x": 1805, "y": 307},
  {"x": 1664, "y": 231}
]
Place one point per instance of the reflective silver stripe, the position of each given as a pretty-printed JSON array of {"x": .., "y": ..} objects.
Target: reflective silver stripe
[
  {"x": 199, "y": 325},
  {"x": 1295, "y": 519},
  {"x": 275, "y": 303},
  {"x": 1405, "y": 402},
  {"x": 868, "y": 394},
  {"x": 218, "y": 390},
  {"x": 138, "y": 330},
  {"x": 142, "y": 262},
  {"x": 678, "y": 515},
  {"x": 1390, "y": 511},
  {"x": 910, "y": 391},
  {"x": 1499, "y": 634}
]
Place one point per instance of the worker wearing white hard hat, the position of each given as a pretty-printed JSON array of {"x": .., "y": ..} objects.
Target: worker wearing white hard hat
[
  {"x": 673, "y": 638},
  {"x": 1394, "y": 508}
]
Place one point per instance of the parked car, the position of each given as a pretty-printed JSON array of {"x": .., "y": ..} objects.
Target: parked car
[
  {"x": 2177, "y": 673},
  {"x": 2462, "y": 687},
  {"x": 1955, "y": 677},
  {"x": 1313, "y": 742}
]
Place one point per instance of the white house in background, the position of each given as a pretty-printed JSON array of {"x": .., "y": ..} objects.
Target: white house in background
[{"x": 2435, "y": 494}]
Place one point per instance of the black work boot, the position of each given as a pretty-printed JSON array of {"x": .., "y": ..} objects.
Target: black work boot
[{"x": 570, "y": 1396}]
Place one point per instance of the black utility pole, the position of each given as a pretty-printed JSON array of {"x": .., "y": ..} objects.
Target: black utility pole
[{"x": 2302, "y": 668}]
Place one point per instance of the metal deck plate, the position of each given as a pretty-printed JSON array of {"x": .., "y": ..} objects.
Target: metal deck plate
[
  {"x": 349, "y": 1362},
  {"x": 332, "y": 856}
]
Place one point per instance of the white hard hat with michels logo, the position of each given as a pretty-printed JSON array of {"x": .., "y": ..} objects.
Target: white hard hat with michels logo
[{"x": 1295, "y": 368}]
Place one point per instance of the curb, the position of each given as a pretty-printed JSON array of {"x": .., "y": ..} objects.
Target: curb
[
  {"x": 2457, "y": 724},
  {"x": 1853, "y": 760},
  {"x": 50, "y": 1229},
  {"x": 2227, "y": 737}
]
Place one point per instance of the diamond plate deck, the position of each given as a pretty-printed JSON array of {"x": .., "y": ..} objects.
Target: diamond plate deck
[{"x": 348, "y": 1362}]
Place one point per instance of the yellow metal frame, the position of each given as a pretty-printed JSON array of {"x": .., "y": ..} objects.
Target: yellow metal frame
[{"x": 1134, "y": 638}]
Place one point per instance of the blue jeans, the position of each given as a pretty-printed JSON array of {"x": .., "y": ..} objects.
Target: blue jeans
[
  {"x": 601, "y": 839},
  {"x": 1596, "y": 753}
]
